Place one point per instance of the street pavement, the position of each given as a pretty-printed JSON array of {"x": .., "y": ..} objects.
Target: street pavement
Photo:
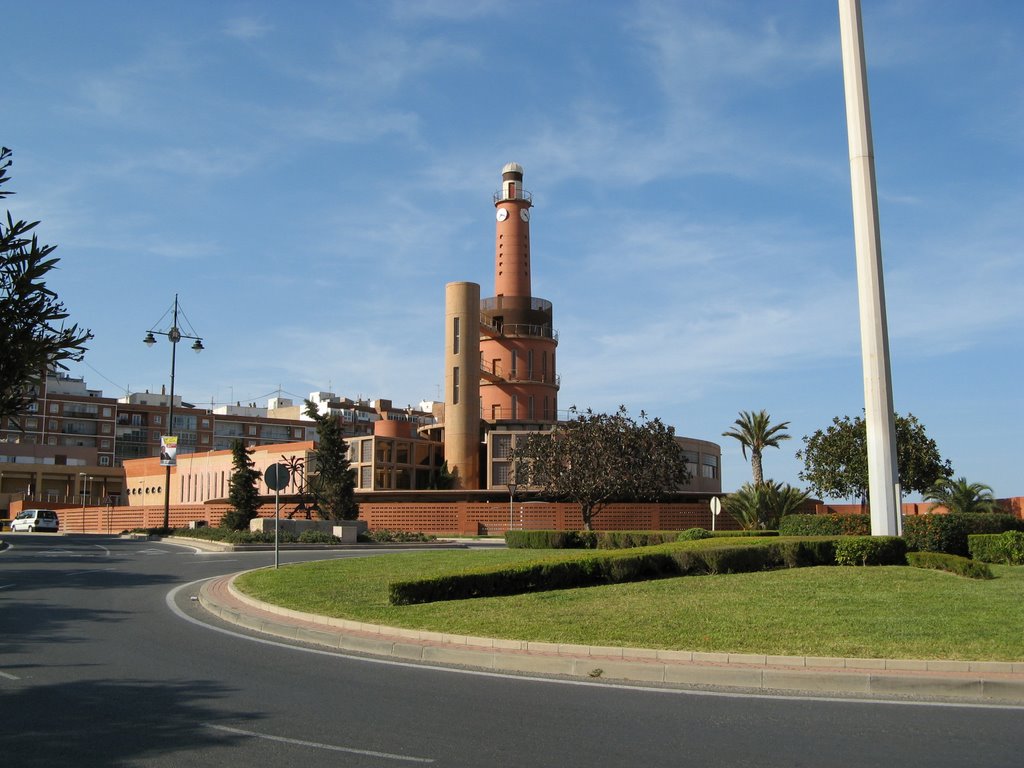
[{"x": 952, "y": 680}]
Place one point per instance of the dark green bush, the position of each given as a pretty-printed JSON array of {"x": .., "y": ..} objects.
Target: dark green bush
[
  {"x": 694, "y": 534},
  {"x": 633, "y": 539},
  {"x": 806, "y": 552},
  {"x": 948, "y": 533},
  {"x": 742, "y": 534},
  {"x": 313, "y": 536},
  {"x": 1006, "y": 547},
  {"x": 550, "y": 539},
  {"x": 825, "y": 525},
  {"x": 871, "y": 550},
  {"x": 941, "y": 561},
  {"x": 384, "y": 536}
]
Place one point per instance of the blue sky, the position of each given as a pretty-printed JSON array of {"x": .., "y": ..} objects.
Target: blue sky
[{"x": 309, "y": 177}]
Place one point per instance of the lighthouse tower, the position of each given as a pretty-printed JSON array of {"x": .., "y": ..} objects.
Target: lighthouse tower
[
  {"x": 500, "y": 375},
  {"x": 518, "y": 379}
]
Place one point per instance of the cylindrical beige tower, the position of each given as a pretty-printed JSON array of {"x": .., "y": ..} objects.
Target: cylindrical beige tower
[{"x": 462, "y": 382}]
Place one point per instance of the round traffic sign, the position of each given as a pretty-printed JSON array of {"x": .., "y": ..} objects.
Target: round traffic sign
[{"x": 276, "y": 477}]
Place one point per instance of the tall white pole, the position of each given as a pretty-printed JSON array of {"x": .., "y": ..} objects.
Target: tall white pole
[{"x": 883, "y": 474}]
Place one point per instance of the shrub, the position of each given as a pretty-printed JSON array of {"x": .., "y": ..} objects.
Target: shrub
[
  {"x": 941, "y": 561},
  {"x": 871, "y": 550},
  {"x": 694, "y": 534},
  {"x": 948, "y": 533},
  {"x": 313, "y": 536},
  {"x": 1006, "y": 547},
  {"x": 825, "y": 525},
  {"x": 806, "y": 552},
  {"x": 384, "y": 536},
  {"x": 550, "y": 539},
  {"x": 632, "y": 539}
]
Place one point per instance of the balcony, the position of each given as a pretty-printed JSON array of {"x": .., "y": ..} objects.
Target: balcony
[
  {"x": 517, "y": 330},
  {"x": 496, "y": 374},
  {"x": 522, "y": 195}
]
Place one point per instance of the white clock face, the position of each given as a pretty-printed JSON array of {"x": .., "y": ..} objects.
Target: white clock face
[
  {"x": 524, "y": 214},
  {"x": 502, "y": 214}
]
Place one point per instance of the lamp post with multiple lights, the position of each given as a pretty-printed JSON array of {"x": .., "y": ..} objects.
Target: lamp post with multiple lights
[{"x": 174, "y": 335}]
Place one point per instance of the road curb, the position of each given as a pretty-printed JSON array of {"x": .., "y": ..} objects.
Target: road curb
[{"x": 975, "y": 682}]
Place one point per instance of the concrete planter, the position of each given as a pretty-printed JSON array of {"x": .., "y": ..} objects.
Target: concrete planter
[{"x": 346, "y": 530}]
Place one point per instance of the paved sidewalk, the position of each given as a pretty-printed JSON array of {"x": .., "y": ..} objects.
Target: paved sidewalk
[{"x": 978, "y": 681}]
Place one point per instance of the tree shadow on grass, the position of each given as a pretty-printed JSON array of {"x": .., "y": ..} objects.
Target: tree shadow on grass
[{"x": 111, "y": 723}]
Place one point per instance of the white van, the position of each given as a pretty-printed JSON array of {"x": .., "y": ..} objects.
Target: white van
[{"x": 36, "y": 520}]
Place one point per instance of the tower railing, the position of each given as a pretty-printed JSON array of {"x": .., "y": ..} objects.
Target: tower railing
[
  {"x": 518, "y": 329},
  {"x": 494, "y": 371},
  {"x": 499, "y": 196}
]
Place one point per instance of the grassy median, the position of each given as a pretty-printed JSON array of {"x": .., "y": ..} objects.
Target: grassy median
[{"x": 892, "y": 612}]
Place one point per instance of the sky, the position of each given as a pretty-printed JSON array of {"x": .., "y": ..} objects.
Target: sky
[{"x": 307, "y": 177}]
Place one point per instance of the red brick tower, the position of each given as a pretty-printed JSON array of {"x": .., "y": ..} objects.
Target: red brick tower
[{"x": 518, "y": 381}]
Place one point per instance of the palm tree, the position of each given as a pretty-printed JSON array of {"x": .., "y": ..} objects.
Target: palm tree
[
  {"x": 761, "y": 507},
  {"x": 753, "y": 432},
  {"x": 960, "y": 496}
]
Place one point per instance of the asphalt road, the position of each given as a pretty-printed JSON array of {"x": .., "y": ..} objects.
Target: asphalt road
[{"x": 106, "y": 661}]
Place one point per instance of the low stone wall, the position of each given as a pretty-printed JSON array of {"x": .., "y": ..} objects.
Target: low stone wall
[{"x": 346, "y": 530}]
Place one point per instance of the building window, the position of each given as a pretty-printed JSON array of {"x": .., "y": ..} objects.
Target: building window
[
  {"x": 499, "y": 473},
  {"x": 529, "y": 365},
  {"x": 158, "y": 420},
  {"x": 106, "y": 413},
  {"x": 366, "y": 453},
  {"x": 547, "y": 408},
  {"x": 455, "y": 335},
  {"x": 54, "y": 408},
  {"x": 104, "y": 461},
  {"x": 252, "y": 429},
  {"x": 529, "y": 408},
  {"x": 513, "y": 369},
  {"x": 455, "y": 385},
  {"x": 502, "y": 446},
  {"x": 709, "y": 467},
  {"x": 366, "y": 477}
]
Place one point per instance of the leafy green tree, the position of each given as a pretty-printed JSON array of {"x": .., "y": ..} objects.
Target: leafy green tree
[
  {"x": 333, "y": 481},
  {"x": 242, "y": 493},
  {"x": 836, "y": 459},
  {"x": 596, "y": 458},
  {"x": 961, "y": 496},
  {"x": 33, "y": 335},
  {"x": 762, "y": 506},
  {"x": 754, "y": 431}
]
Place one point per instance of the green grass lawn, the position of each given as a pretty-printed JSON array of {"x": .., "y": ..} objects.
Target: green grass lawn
[{"x": 891, "y": 612}]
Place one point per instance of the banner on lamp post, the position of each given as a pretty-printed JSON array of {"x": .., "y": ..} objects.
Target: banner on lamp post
[{"x": 168, "y": 451}]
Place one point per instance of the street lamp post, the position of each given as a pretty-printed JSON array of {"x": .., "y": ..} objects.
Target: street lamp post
[
  {"x": 174, "y": 335},
  {"x": 81, "y": 496}
]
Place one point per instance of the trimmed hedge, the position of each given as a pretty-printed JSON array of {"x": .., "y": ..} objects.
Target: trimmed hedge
[
  {"x": 825, "y": 525},
  {"x": 613, "y": 539},
  {"x": 871, "y": 550},
  {"x": 940, "y": 561},
  {"x": 614, "y": 567},
  {"x": 948, "y": 533},
  {"x": 1006, "y": 547},
  {"x": 633, "y": 539},
  {"x": 550, "y": 539}
]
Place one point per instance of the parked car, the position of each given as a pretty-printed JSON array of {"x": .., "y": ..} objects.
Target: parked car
[{"x": 36, "y": 520}]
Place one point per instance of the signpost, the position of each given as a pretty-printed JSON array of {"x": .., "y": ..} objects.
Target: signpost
[
  {"x": 716, "y": 510},
  {"x": 277, "y": 477}
]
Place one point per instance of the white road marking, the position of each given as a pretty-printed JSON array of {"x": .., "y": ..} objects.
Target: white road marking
[
  {"x": 9, "y": 676},
  {"x": 94, "y": 570},
  {"x": 319, "y": 745},
  {"x": 169, "y": 599},
  {"x": 5, "y": 586}
]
